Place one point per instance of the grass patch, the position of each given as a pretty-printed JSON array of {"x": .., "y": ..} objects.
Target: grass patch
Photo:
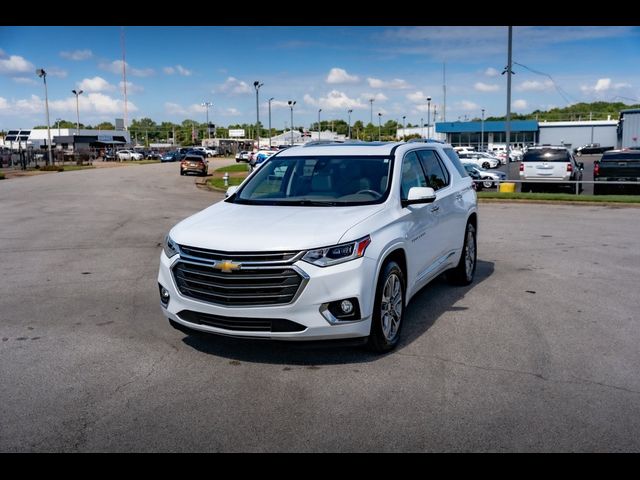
[
  {"x": 1, "y": 176},
  {"x": 69, "y": 168},
  {"x": 564, "y": 197},
  {"x": 218, "y": 183},
  {"x": 240, "y": 167},
  {"x": 50, "y": 168},
  {"x": 140, "y": 162}
]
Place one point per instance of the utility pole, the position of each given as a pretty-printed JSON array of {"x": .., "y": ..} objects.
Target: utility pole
[
  {"x": 41, "y": 73},
  {"x": 291, "y": 104},
  {"x": 371, "y": 120},
  {"x": 257, "y": 86},
  {"x": 349, "y": 113},
  {"x": 508, "y": 72},
  {"x": 207, "y": 105},
  {"x": 428, "y": 117},
  {"x": 77, "y": 93},
  {"x": 422, "y": 127},
  {"x": 319, "y": 110},
  {"x": 379, "y": 126},
  {"x": 124, "y": 80},
  {"x": 404, "y": 132},
  {"x": 270, "y": 122}
]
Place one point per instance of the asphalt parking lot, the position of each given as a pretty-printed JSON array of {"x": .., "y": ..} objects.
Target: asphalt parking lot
[{"x": 539, "y": 354}]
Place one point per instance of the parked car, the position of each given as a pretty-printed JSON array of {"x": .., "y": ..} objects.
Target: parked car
[
  {"x": 490, "y": 179},
  {"x": 171, "y": 157},
  {"x": 483, "y": 160},
  {"x": 128, "y": 155},
  {"x": 591, "y": 148},
  {"x": 472, "y": 171},
  {"x": 617, "y": 166},
  {"x": 194, "y": 163},
  {"x": 348, "y": 235},
  {"x": 260, "y": 157},
  {"x": 550, "y": 166},
  {"x": 242, "y": 156},
  {"x": 152, "y": 155}
]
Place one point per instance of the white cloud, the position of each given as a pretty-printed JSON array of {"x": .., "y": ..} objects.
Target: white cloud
[
  {"x": 339, "y": 75},
  {"x": 396, "y": 83},
  {"x": 604, "y": 86},
  {"x": 486, "y": 87},
  {"x": 115, "y": 67},
  {"x": 234, "y": 86},
  {"x": 183, "y": 71},
  {"x": 334, "y": 100},
  {"x": 417, "y": 97},
  {"x": 25, "y": 80},
  {"x": 177, "y": 109},
  {"x": 131, "y": 87},
  {"x": 233, "y": 112},
  {"x": 534, "y": 86},
  {"x": 177, "y": 69},
  {"x": 519, "y": 104},
  {"x": 57, "y": 72},
  {"x": 377, "y": 97},
  {"x": 276, "y": 104},
  {"x": 491, "y": 72},
  {"x": 77, "y": 54},
  {"x": 4, "y": 103},
  {"x": 15, "y": 64},
  {"x": 466, "y": 105},
  {"x": 95, "y": 84},
  {"x": 98, "y": 103}
]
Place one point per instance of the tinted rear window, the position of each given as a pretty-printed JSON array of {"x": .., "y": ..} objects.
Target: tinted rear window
[
  {"x": 453, "y": 156},
  {"x": 620, "y": 156},
  {"x": 546, "y": 156}
]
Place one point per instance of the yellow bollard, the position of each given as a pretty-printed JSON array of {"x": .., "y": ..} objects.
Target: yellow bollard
[{"x": 507, "y": 187}]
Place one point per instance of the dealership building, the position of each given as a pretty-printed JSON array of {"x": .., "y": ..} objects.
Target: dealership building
[
  {"x": 529, "y": 132},
  {"x": 66, "y": 138}
]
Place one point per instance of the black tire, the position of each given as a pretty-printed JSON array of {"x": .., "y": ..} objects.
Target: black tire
[
  {"x": 486, "y": 165},
  {"x": 384, "y": 338},
  {"x": 487, "y": 184},
  {"x": 181, "y": 172},
  {"x": 463, "y": 273}
]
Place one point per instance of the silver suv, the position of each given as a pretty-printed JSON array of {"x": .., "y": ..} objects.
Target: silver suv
[{"x": 550, "y": 166}]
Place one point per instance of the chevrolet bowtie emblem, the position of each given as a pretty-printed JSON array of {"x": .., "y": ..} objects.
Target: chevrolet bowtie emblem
[{"x": 227, "y": 266}]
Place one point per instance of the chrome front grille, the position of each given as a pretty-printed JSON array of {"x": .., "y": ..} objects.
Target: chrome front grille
[{"x": 264, "y": 278}]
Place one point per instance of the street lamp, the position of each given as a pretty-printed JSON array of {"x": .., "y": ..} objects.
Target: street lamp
[
  {"x": 379, "y": 127},
  {"x": 428, "y": 117},
  {"x": 482, "y": 132},
  {"x": 41, "y": 73},
  {"x": 77, "y": 93},
  {"x": 58, "y": 120},
  {"x": 291, "y": 104},
  {"x": 319, "y": 110},
  {"x": 404, "y": 132},
  {"x": 422, "y": 127},
  {"x": 349, "y": 113},
  {"x": 257, "y": 86},
  {"x": 371, "y": 120},
  {"x": 207, "y": 105},
  {"x": 270, "y": 122}
]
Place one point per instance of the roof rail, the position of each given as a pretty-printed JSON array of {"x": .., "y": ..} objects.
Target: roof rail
[{"x": 425, "y": 140}]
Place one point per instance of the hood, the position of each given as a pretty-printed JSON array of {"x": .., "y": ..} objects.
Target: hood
[{"x": 245, "y": 228}]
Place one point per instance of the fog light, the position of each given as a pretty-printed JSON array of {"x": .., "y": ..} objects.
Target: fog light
[
  {"x": 346, "y": 306},
  {"x": 164, "y": 295}
]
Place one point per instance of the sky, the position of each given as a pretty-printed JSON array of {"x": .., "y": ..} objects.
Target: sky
[{"x": 171, "y": 71}]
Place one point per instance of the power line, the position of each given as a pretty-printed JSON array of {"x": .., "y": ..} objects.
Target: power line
[{"x": 566, "y": 97}]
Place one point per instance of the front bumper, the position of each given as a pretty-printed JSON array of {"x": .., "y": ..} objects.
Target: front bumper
[{"x": 346, "y": 280}]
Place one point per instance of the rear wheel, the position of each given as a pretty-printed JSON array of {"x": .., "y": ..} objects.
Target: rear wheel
[
  {"x": 486, "y": 165},
  {"x": 388, "y": 309},
  {"x": 487, "y": 184},
  {"x": 463, "y": 273}
]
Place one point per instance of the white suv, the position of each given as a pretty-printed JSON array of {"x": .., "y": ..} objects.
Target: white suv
[{"x": 324, "y": 241}]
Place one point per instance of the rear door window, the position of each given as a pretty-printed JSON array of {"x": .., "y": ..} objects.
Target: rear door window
[
  {"x": 546, "y": 156},
  {"x": 437, "y": 175}
]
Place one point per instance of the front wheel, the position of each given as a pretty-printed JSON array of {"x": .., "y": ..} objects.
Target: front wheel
[
  {"x": 486, "y": 165},
  {"x": 388, "y": 309},
  {"x": 464, "y": 272},
  {"x": 487, "y": 184}
]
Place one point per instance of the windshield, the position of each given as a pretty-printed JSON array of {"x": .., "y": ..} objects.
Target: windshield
[
  {"x": 318, "y": 181},
  {"x": 546, "y": 155}
]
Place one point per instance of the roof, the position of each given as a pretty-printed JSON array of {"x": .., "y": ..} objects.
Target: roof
[
  {"x": 492, "y": 126},
  {"x": 584, "y": 123},
  {"x": 630, "y": 110},
  {"x": 346, "y": 148}
]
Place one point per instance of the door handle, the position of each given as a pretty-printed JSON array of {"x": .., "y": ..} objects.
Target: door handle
[
  {"x": 435, "y": 208},
  {"x": 458, "y": 196}
]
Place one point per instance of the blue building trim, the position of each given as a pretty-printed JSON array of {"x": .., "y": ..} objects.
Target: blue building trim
[{"x": 493, "y": 126}]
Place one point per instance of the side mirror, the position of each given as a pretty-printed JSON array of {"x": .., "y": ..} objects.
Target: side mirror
[
  {"x": 231, "y": 191},
  {"x": 419, "y": 195}
]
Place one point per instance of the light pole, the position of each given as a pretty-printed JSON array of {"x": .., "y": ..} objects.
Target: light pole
[
  {"x": 428, "y": 117},
  {"x": 379, "y": 127},
  {"x": 41, "y": 73},
  {"x": 207, "y": 105},
  {"x": 371, "y": 120},
  {"x": 58, "y": 120},
  {"x": 422, "y": 127},
  {"x": 257, "y": 86},
  {"x": 404, "y": 132},
  {"x": 349, "y": 113},
  {"x": 319, "y": 110},
  {"x": 482, "y": 132},
  {"x": 291, "y": 104},
  {"x": 270, "y": 122},
  {"x": 77, "y": 93}
]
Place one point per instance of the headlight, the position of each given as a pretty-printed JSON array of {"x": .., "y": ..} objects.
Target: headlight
[
  {"x": 170, "y": 247},
  {"x": 323, "y": 257}
]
